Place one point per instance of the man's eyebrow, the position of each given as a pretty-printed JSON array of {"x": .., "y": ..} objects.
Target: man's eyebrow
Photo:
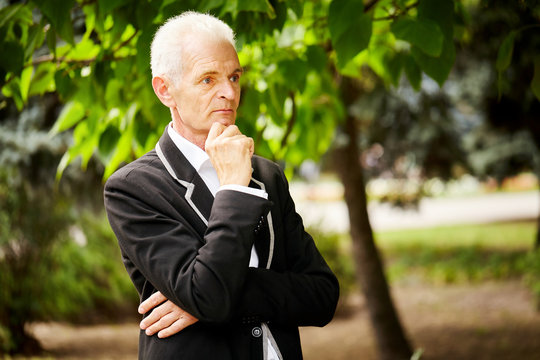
[{"x": 214, "y": 72}]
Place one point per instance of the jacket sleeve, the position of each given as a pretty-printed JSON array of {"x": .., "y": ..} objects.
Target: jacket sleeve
[
  {"x": 204, "y": 276},
  {"x": 306, "y": 292}
]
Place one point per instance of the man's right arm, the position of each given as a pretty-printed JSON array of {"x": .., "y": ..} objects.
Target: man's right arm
[{"x": 204, "y": 276}]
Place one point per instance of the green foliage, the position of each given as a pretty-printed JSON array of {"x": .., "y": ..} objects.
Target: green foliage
[
  {"x": 55, "y": 264},
  {"x": 44, "y": 273},
  {"x": 90, "y": 275},
  {"x": 333, "y": 248},
  {"x": 422, "y": 33},
  {"x": 31, "y": 220},
  {"x": 350, "y": 29},
  {"x": 504, "y": 59},
  {"x": 95, "y": 56},
  {"x": 531, "y": 267}
]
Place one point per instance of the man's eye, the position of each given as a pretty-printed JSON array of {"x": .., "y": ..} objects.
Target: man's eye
[
  {"x": 234, "y": 78},
  {"x": 207, "y": 81}
]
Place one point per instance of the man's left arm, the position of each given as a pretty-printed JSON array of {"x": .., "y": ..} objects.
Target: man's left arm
[{"x": 306, "y": 293}]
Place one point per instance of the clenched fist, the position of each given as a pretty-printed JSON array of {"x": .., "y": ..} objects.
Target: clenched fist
[{"x": 230, "y": 152}]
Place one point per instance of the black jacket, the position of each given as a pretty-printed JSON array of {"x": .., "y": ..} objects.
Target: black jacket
[{"x": 176, "y": 238}]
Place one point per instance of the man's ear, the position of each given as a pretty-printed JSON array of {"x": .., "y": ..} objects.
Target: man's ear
[{"x": 161, "y": 89}]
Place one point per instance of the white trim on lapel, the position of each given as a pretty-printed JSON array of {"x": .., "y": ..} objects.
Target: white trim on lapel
[
  {"x": 189, "y": 186},
  {"x": 270, "y": 228}
]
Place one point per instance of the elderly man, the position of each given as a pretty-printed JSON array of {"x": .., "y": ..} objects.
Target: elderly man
[{"x": 208, "y": 231}]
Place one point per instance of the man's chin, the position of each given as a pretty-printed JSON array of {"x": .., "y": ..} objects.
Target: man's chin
[{"x": 225, "y": 122}]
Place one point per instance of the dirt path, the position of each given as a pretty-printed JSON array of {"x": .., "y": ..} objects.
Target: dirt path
[{"x": 493, "y": 321}]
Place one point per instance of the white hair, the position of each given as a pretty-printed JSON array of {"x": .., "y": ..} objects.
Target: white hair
[{"x": 166, "y": 48}]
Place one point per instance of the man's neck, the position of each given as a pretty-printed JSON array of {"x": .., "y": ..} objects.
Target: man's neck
[{"x": 197, "y": 139}]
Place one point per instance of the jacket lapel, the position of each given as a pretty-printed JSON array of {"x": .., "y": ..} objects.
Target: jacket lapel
[
  {"x": 201, "y": 199},
  {"x": 197, "y": 195}
]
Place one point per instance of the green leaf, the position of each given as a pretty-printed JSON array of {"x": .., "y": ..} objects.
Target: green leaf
[
  {"x": 504, "y": 56},
  {"x": 145, "y": 14},
  {"x": 9, "y": 12},
  {"x": 122, "y": 153},
  {"x": 535, "y": 83},
  {"x": 394, "y": 66},
  {"x": 59, "y": 14},
  {"x": 26, "y": 77},
  {"x": 342, "y": 14},
  {"x": 207, "y": 5},
  {"x": 13, "y": 90},
  {"x": 439, "y": 11},
  {"x": 143, "y": 48},
  {"x": 63, "y": 83},
  {"x": 107, "y": 6},
  {"x": 107, "y": 142},
  {"x": 316, "y": 58},
  {"x": 297, "y": 6},
  {"x": 35, "y": 39},
  {"x": 350, "y": 29},
  {"x": 423, "y": 33},
  {"x": 14, "y": 62},
  {"x": 438, "y": 68},
  {"x": 51, "y": 40},
  {"x": 70, "y": 115},
  {"x": 257, "y": 6},
  {"x": 353, "y": 41},
  {"x": 43, "y": 79},
  {"x": 413, "y": 72},
  {"x": 294, "y": 73}
]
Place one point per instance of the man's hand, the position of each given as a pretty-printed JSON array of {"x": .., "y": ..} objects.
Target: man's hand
[
  {"x": 230, "y": 152},
  {"x": 166, "y": 319}
]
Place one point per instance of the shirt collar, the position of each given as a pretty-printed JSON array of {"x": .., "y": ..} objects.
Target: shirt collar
[{"x": 196, "y": 156}]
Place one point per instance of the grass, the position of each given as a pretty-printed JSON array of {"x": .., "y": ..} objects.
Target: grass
[
  {"x": 467, "y": 253},
  {"x": 444, "y": 255},
  {"x": 502, "y": 236}
]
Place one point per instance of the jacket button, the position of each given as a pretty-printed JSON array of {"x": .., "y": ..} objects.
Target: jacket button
[{"x": 256, "y": 332}]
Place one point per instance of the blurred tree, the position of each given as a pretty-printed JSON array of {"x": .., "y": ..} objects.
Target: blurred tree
[
  {"x": 511, "y": 98},
  {"x": 308, "y": 63},
  {"x": 50, "y": 268}
]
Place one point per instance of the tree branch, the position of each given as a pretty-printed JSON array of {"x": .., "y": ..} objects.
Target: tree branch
[
  {"x": 290, "y": 123},
  {"x": 125, "y": 42},
  {"x": 397, "y": 13},
  {"x": 84, "y": 62},
  {"x": 369, "y": 5}
]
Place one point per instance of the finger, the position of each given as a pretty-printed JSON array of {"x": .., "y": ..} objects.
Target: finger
[
  {"x": 230, "y": 131},
  {"x": 154, "y": 317},
  {"x": 215, "y": 130},
  {"x": 158, "y": 313},
  {"x": 251, "y": 147},
  {"x": 177, "y": 326},
  {"x": 163, "y": 323},
  {"x": 150, "y": 303}
]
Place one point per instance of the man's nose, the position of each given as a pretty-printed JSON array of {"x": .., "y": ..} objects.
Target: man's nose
[{"x": 227, "y": 90}]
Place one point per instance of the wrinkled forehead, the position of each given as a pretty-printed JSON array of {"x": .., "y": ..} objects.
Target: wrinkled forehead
[{"x": 205, "y": 54}]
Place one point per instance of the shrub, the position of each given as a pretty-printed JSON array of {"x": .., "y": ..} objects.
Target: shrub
[{"x": 333, "y": 247}]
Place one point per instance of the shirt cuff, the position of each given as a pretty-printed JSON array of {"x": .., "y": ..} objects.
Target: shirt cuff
[{"x": 245, "y": 189}]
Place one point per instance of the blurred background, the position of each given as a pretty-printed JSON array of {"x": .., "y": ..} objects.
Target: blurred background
[{"x": 409, "y": 132}]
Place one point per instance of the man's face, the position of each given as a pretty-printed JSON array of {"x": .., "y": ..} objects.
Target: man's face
[{"x": 208, "y": 90}]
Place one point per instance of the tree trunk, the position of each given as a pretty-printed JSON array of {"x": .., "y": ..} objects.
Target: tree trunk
[
  {"x": 537, "y": 241},
  {"x": 391, "y": 341}
]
